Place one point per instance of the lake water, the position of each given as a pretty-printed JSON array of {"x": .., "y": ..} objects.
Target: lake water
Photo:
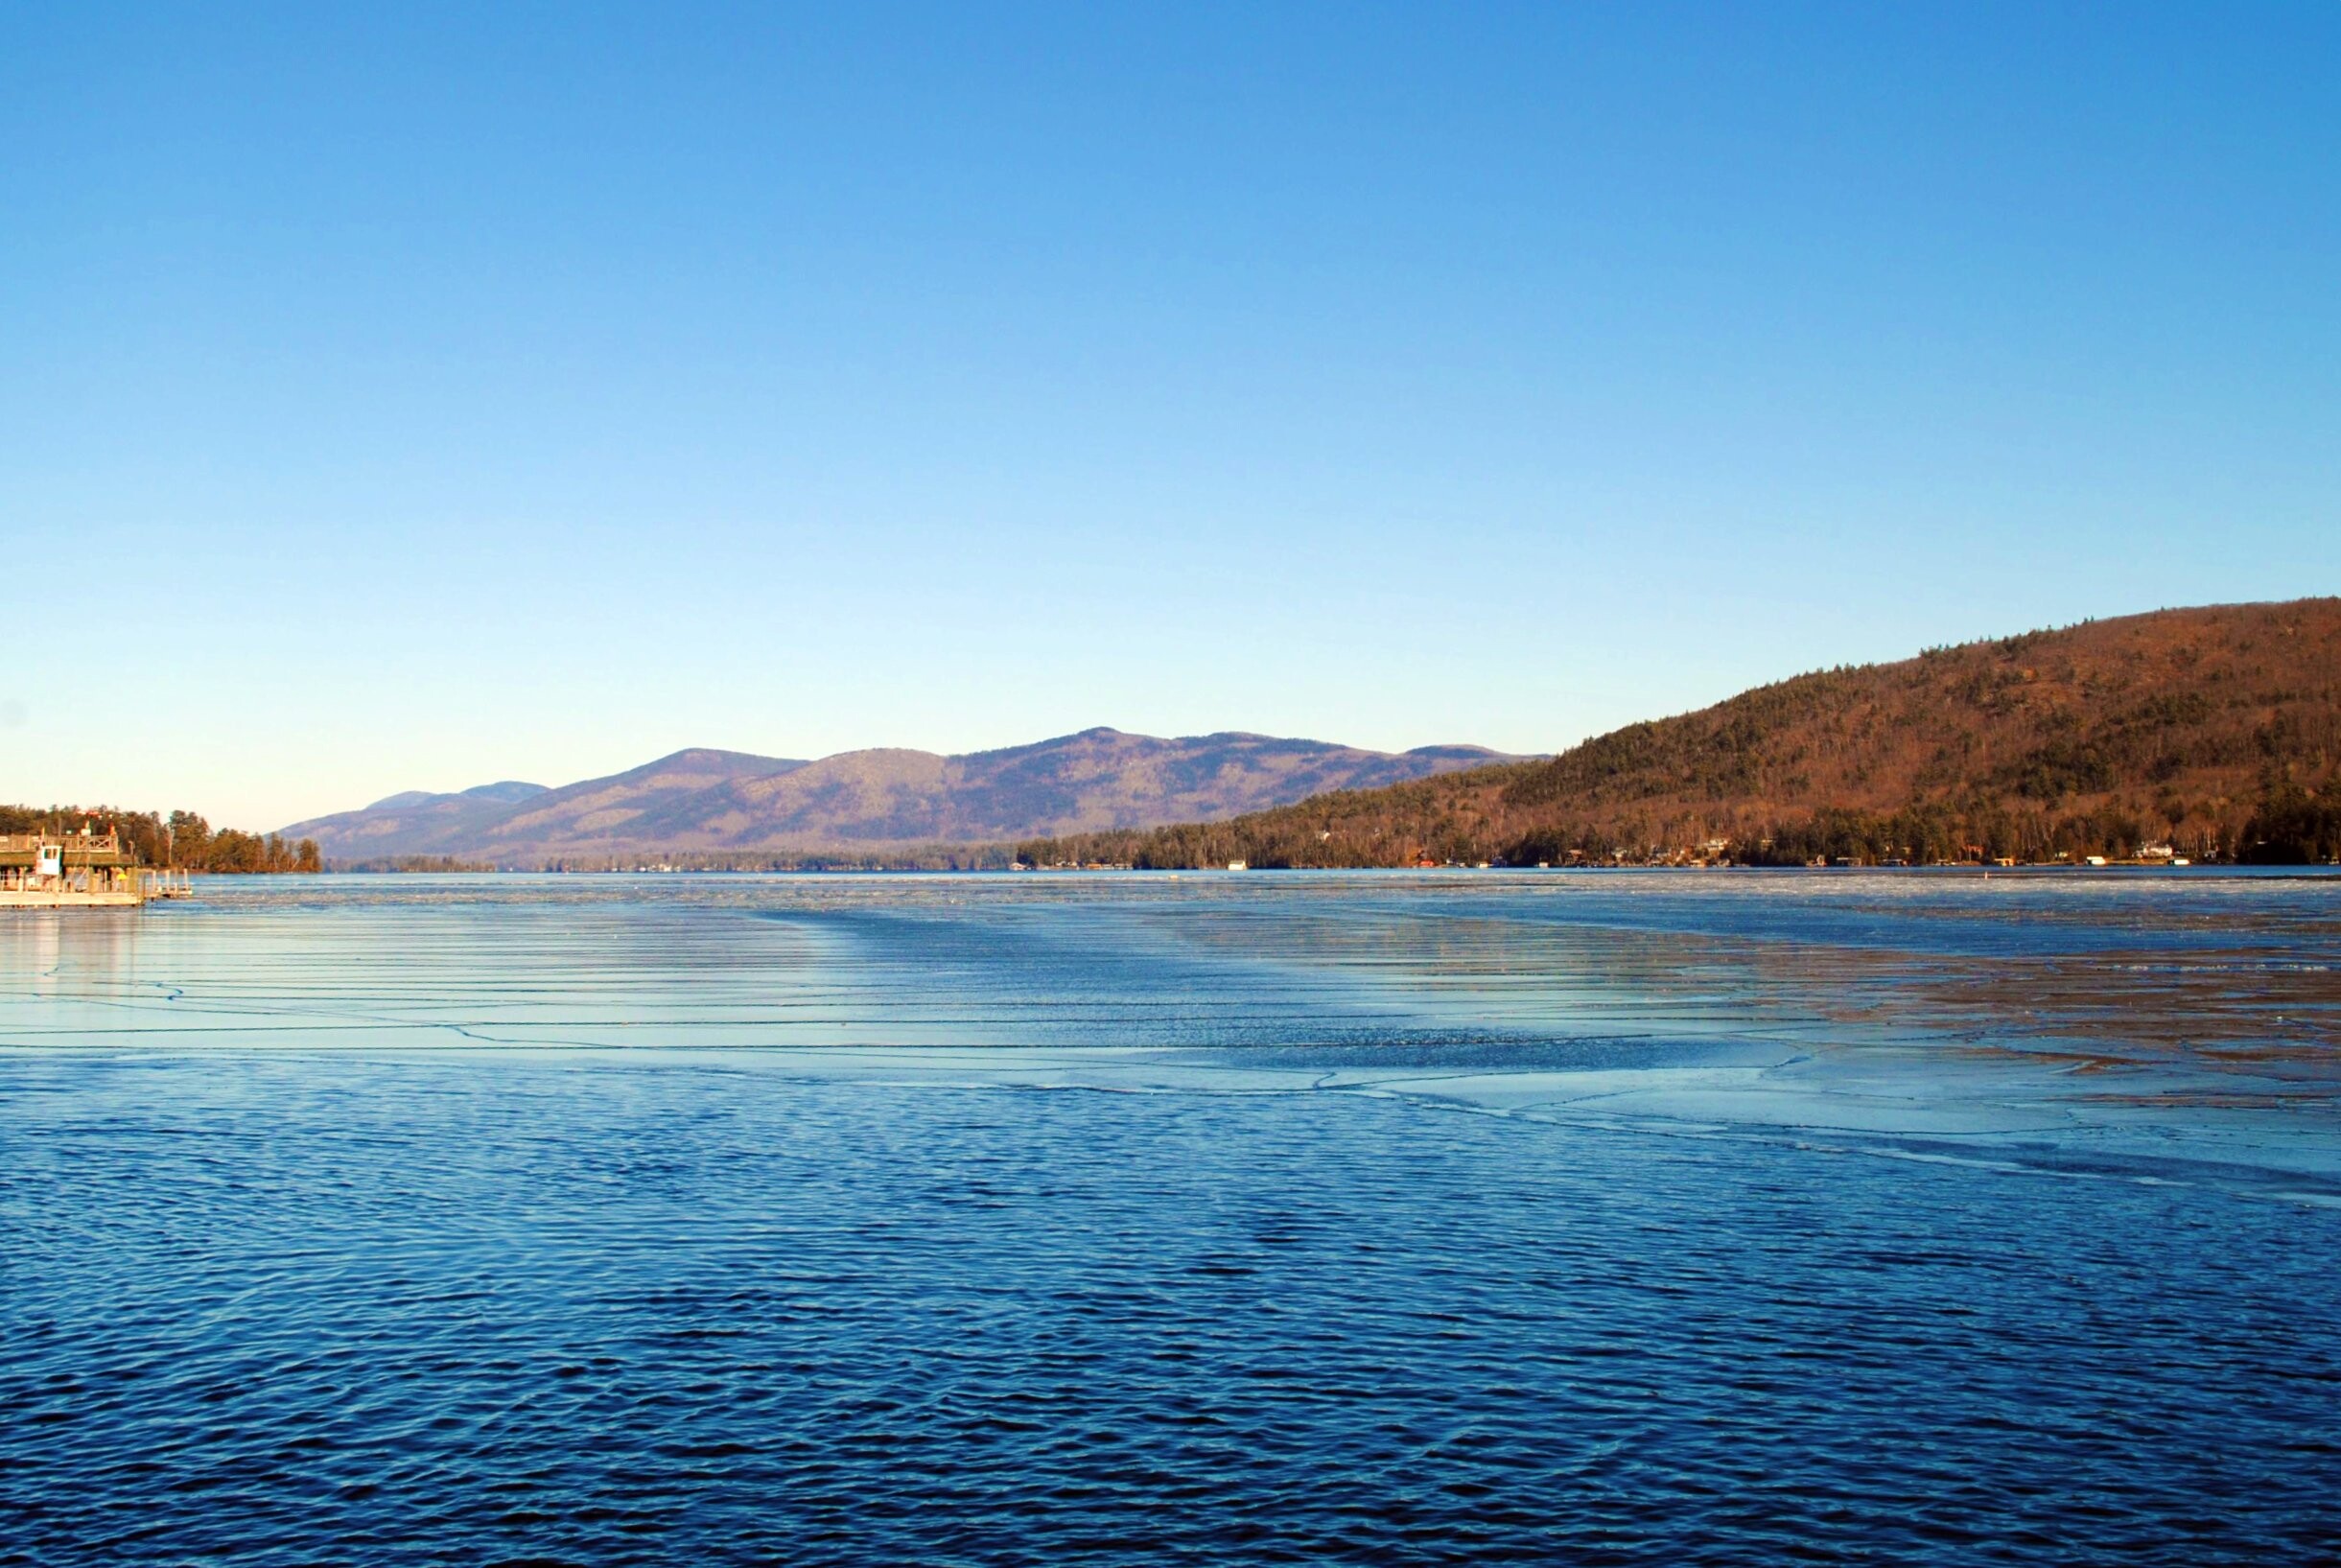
[{"x": 1602, "y": 1218}]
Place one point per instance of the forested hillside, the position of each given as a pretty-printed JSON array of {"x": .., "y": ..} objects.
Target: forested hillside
[{"x": 2213, "y": 730}]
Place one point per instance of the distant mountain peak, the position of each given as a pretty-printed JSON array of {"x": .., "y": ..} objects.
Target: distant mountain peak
[
  {"x": 703, "y": 800},
  {"x": 505, "y": 789},
  {"x": 404, "y": 798},
  {"x": 714, "y": 757}
]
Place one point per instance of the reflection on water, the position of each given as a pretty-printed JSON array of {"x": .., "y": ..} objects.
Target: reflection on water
[{"x": 1664, "y": 1218}]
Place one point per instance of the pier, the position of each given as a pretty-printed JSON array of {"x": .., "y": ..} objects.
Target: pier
[{"x": 78, "y": 870}]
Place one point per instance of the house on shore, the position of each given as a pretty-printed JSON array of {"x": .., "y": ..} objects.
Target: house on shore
[{"x": 83, "y": 870}]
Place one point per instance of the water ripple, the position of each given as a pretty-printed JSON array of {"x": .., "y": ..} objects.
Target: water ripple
[{"x": 805, "y": 1230}]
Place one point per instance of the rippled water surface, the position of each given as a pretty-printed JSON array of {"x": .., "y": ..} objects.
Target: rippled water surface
[{"x": 1591, "y": 1218}]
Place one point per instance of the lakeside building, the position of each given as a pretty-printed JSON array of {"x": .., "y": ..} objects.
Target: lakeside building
[{"x": 83, "y": 870}]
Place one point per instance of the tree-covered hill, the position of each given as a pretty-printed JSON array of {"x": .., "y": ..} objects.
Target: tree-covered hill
[{"x": 2214, "y": 731}]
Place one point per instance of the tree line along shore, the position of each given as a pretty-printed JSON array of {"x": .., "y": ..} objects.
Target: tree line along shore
[
  {"x": 176, "y": 841},
  {"x": 2286, "y": 828}
]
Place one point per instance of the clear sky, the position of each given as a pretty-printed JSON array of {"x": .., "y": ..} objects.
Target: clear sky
[{"x": 411, "y": 396}]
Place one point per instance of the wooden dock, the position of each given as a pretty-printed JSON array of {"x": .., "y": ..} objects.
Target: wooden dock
[{"x": 78, "y": 870}]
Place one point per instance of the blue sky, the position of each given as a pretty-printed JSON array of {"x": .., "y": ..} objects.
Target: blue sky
[{"x": 417, "y": 398}]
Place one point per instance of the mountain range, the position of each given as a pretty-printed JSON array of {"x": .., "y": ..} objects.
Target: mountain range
[
  {"x": 2212, "y": 732},
  {"x": 704, "y": 803}
]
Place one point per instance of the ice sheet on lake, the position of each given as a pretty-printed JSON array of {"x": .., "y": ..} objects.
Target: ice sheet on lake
[{"x": 2183, "y": 1025}]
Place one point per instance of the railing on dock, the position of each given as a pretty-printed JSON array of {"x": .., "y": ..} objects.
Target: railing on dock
[
  {"x": 77, "y": 849},
  {"x": 90, "y": 886}
]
